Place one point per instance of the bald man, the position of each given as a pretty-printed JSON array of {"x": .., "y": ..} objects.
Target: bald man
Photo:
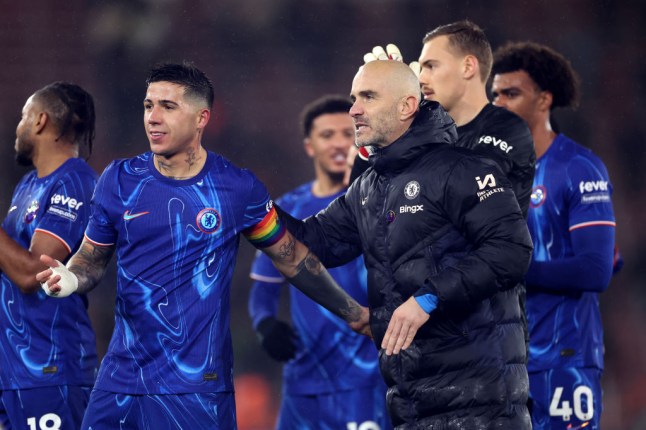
[{"x": 444, "y": 243}]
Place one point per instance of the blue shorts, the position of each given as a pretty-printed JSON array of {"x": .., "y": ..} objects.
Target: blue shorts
[
  {"x": 109, "y": 411},
  {"x": 361, "y": 409},
  {"x": 566, "y": 398},
  {"x": 45, "y": 408}
]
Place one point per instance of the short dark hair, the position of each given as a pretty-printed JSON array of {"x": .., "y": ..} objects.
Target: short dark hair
[
  {"x": 195, "y": 81},
  {"x": 468, "y": 39},
  {"x": 550, "y": 70},
  {"x": 321, "y": 106},
  {"x": 71, "y": 109}
]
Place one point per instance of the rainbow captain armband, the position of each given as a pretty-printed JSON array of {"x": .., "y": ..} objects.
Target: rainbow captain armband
[{"x": 267, "y": 232}]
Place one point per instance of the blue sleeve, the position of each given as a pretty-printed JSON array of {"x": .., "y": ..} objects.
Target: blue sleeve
[
  {"x": 589, "y": 269},
  {"x": 264, "y": 296},
  {"x": 258, "y": 202},
  {"x": 68, "y": 209},
  {"x": 100, "y": 228},
  {"x": 263, "y": 301},
  {"x": 591, "y": 227},
  {"x": 428, "y": 302},
  {"x": 265, "y": 292}
]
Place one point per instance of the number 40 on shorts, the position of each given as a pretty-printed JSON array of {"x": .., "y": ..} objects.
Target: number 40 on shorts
[{"x": 582, "y": 402}]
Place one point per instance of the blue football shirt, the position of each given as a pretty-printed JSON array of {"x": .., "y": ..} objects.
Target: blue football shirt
[
  {"x": 176, "y": 244},
  {"x": 46, "y": 341},
  {"x": 330, "y": 357},
  {"x": 571, "y": 191}
]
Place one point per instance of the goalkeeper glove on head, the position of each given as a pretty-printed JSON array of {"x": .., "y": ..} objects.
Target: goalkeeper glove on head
[{"x": 391, "y": 52}]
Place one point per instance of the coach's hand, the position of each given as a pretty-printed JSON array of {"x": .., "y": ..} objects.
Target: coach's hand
[
  {"x": 403, "y": 326},
  {"x": 277, "y": 338}
]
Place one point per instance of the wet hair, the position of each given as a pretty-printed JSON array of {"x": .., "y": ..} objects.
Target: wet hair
[
  {"x": 467, "y": 39},
  {"x": 195, "y": 82},
  {"x": 550, "y": 70},
  {"x": 72, "y": 110},
  {"x": 321, "y": 106}
]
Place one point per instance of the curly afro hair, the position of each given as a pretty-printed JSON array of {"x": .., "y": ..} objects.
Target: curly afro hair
[{"x": 550, "y": 70}]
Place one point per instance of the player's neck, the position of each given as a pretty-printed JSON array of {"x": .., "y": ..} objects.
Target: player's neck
[
  {"x": 326, "y": 185},
  {"x": 183, "y": 165},
  {"x": 543, "y": 136},
  {"x": 47, "y": 159},
  {"x": 469, "y": 106}
]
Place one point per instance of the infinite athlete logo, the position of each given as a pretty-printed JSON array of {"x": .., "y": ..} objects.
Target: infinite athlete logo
[{"x": 208, "y": 220}]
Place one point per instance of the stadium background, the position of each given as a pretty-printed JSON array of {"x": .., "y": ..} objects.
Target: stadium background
[{"x": 268, "y": 58}]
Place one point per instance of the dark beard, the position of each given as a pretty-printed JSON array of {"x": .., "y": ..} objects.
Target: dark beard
[{"x": 24, "y": 159}]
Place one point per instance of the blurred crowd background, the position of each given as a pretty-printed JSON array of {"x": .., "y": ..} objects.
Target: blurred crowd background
[{"x": 267, "y": 58}]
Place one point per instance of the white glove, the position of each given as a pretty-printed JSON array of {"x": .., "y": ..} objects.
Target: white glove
[
  {"x": 68, "y": 282},
  {"x": 391, "y": 53}
]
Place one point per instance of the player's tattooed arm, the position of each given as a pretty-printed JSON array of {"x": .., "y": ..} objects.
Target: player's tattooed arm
[
  {"x": 303, "y": 269},
  {"x": 82, "y": 273},
  {"x": 89, "y": 263}
]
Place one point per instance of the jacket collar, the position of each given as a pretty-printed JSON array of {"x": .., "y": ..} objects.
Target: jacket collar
[{"x": 431, "y": 128}]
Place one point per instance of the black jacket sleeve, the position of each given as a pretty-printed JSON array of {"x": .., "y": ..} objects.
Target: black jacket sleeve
[
  {"x": 506, "y": 139},
  {"x": 332, "y": 234},
  {"x": 479, "y": 201}
]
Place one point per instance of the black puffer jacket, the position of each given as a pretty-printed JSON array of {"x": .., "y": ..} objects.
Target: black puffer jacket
[{"x": 433, "y": 218}]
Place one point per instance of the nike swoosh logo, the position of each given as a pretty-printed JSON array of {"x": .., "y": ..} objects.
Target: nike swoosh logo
[{"x": 128, "y": 216}]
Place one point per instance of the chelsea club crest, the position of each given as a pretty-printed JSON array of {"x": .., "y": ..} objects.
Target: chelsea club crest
[
  {"x": 411, "y": 190},
  {"x": 208, "y": 220}
]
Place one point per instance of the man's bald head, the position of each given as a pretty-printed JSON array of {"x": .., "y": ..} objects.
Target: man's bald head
[
  {"x": 395, "y": 76},
  {"x": 386, "y": 96}
]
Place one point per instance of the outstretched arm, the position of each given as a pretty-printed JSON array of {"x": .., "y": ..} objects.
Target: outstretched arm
[
  {"x": 303, "y": 269},
  {"x": 87, "y": 266},
  {"x": 20, "y": 264}
]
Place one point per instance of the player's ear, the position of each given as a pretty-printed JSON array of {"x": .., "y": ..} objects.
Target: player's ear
[
  {"x": 41, "y": 121},
  {"x": 307, "y": 143},
  {"x": 203, "y": 118},
  {"x": 470, "y": 66},
  {"x": 545, "y": 100}
]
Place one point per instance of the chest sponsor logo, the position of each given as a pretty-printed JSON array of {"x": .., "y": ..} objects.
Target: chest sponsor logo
[
  {"x": 209, "y": 220},
  {"x": 594, "y": 192},
  {"x": 593, "y": 186},
  {"x": 489, "y": 182},
  {"x": 61, "y": 200},
  {"x": 411, "y": 190},
  {"x": 498, "y": 143},
  {"x": 538, "y": 196},
  {"x": 411, "y": 209},
  {"x": 30, "y": 214}
]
